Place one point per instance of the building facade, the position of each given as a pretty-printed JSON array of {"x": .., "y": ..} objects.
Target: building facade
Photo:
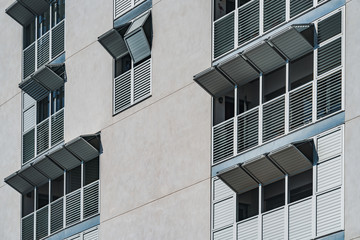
[{"x": 107, "y": 132}]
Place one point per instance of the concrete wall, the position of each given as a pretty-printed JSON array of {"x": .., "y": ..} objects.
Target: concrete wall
[{"x": 352, "y": 125}]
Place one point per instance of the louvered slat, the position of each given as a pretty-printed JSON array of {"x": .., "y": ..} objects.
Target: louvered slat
[
  {"x": 91, "y": 199},
  {"x": 300, "y": 220},
  {"x": 274, "y": 13},
  {"x": 224, "y": 234},
  {"x": 248, "y": 230},
  {"x": 142, "y": 81},
  {"x": 223, "y": 213},
  {"x": 329, "y": 56},
  {"x": 27, "y": 101},
  {"x": 329, "y": 94},
  {"x": 122, "y": 91},
  {"x": 42, "y": 222},
  {"x": 274, "y": 225},
  {"x": 57, "y": 127},
  {"x": 329, "y": 27},
  {"x": 329, "y": 145},
  {"x": 221, "y": 190},
  {"x": 58, "y": 39},
  {"x": 274, "y": 119},
  {"x": 57, "y": 215},
  {"x": 120, "y": 7},
  {"x": 27, "y": 227},
  {"x": 299, "y": 6},
  {"x": 29, "y": 119},
  {"x": 42, "y": 136},
  {"x": 300, "y": 107},
  {"x": 73, "y": 207},
  {"x": 28, "y": 146},
  {"x": 248, "y": 130},
  {"x": 91, "y": 235},
  {"x": 223, "y": 140},
  {"x": 224, "y": 35},
  {"x": 29, "y": 60},
  {"x": 248, "y": 21},
  {"x": 43, "y": 49},
  {"x": 329, "y": 174}
]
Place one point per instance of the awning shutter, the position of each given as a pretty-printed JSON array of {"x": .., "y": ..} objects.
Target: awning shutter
[
  {"x": 264, "y": 57},
  {"x": 292, "y": 43},
  {"x": 239, "y": 70},
  {"x": 37, "y": 6},
  {"x": 136, "y": 39},
  {"x": 215, "y": 83},
  {"x": 114, "y": 43},
  {"x": 82, "y": 149},
  {"x": 237, "y": 179},
  {"x": 64, "y": 158},
  {"x": 291, "y": 159},
  {"x": 20, "y": 13},
  {"x": 33, "y": 88},
  {"x": 19, "y": 183},
  {"x": 263, "y": 170},
  {"x": 48, "y": 168},
  {"x": 33, "y": 176}
]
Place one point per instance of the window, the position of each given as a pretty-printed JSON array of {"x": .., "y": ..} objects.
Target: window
[
  {"x": 58, "y": 12},
  {"x": 43, "y": 109},
  {"x": 274, "y": 195},
  {"x": 29, "y": 34},
  {"x": 91, "y": 171},
  {"x": 301, "y": 71},
  {"x": 223, "y": 108},
  {"x": 42, "y": 196},
  {"x": 122, "y": 65},
  {"x": 57, "y": 188},
  {"x": 300, "y": 186},
  {"x": 28, "y": 203},
  {"x": 248, "y": 96},
  {"x": 43, "y": 23},
  {"x": 73, "y": 179},
  {"x": 274, "y": 84},
  {"x": 57, "y": 100},
  {"x": 223, "y": 7},
  {"x": 248, "y": 204}
]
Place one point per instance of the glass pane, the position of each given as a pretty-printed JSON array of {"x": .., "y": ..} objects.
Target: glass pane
[
  {"x": 42, "y": 109},
  {"x": 122, "y": 65},
  {"x": 223, "y": 108},
  {"x": 248, "y": 204},
  {"x": 43, "y": 23},
  {"x": 57, "y": 188},
  {"x": 73, "y": 179},
  {"x": 300, "y": 185},
  {"x": 223, "y": 7},
  {"x": 58, "y": 12},
  {"x": 301, "y": 71},
  {"x": 42, "y": 196},
  {"x": 243, "y": 2},
  {"x": 28, "y": 203},
  {"x": 274, "y": 195},
  {"x": 91, "y": 171},
  {"x": 29, "y": 34},
  {"x": 57, "y": 98},
  {"x": 248, "y": 96},
  {"x": 274, "y": 84}
]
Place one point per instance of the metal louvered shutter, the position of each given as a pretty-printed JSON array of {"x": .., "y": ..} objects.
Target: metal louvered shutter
[
  {"x": 43, "y": 50},
  {"x": 42, "y": 136},
  {"x": 57, "y": 127},
  {"x": 91, "y": 199},
  {"x": 122, "y": 91},
  {"x": 57, "y": 215},
  {"x": 329, "y": 174},
  {"x": 58, "y": 39},
  {"x": 121, "y": 6},
  {"x": 274, "y": 118},
  {"x": 29, "y": 119},
  {"x": 329, "y": 94},
  {"x": 329, "y": 146},
  {"x": 42, "y": 222},
  {"x": 223, "y": 213},
  {"x": 225, "y": 234},
  {"x": 329, "y": 56},
  {"x": 73, "y": 209},
  {"x": 274, "y": 13},
  {"x": 223, "y": 137},
  {"x": 300, "y": 107},
  {"x": 221, "y": 190},
  {"x": 329, "y": 27},
  {"x": 142, "y": 81},
  {"x": 29, "y": 60},
  {"x": 248, "y": 230},
  {"x": 91, "y": 235},
  {"x": 328, "y": 212},
  {"x": 300, "y": 220},
  {"x": 224, "y": 35},
  {"x": 274, "y": 225},
  {"x": 248, "y": 21},
  {"x": 248, "y": 130},
  {"x": 28, "y": 146},
  {"x": 27, "y": 101},
  {"x": 299, "y": 6},
  {"x": 27, "y": 227}
]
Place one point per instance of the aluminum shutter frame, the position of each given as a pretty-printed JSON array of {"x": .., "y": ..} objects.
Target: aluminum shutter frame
[
  {"x": 64, "y": 158},
  {"x": 263, "y": 170},
  {"x": 239, "y": 70},
  {"x": 20, "y": 13},
  {"x": 48, "y": 78},
  {"x": 264, "y": 57},
  {"x": 48, "y": 168},
  {"x": 18, "y": 183},
  {"x": 215, "y": 83},
  {"x": 292, "y": 43},
  {"x": 82, "y": 149},
  {"x": 33, "y": 88},
  {"x": 37, "y": 6},
  {"x": 237, "y": 179},
  {"x": 113, "y": 43},
  {"x": 33, "y": 176}
]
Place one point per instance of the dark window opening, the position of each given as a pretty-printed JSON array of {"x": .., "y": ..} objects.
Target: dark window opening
[
  {"x": 248, "y": 96},
  {"x": 223, "y": 108},
  {"x": 91, "y": 171},
  {"x": 42, "y": 196},
  {"x": 274, "y": 195},
  {"x": 43, "y": 109},
  {"x": 28, "y": 203},
  {"x": 243, "y": 2},
  {"x": 248, "y": 204},
  {"x": 73, "y": 179},
  {"x": 300, "y": 185},
  {"x": 43, "y": 23},
  {"x": 57, "y": 188},
  {"x": 29, "y": 34},
  {"x": 122, "y": 65},
  {"x": 58, "y": 12},
  {"x": 274, "y": 84},
  {"x": 223, "y": 7},
  {"x": 301, "y": 71},
  {"x": 57, "y": 98}
]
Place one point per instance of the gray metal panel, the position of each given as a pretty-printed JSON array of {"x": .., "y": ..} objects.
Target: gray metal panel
[
  {"x": 82, "y": 149},
  {"x": 37, "y": 6},
  {"x": 35, "y": 177},
  {"x": 239, "y": 70},
  {"x": 264, "y": 57},
  {"x": 274, "y": 13},
  {"x": 64, "y": 158},
  {"x": 263, "y": 169},
  {"x": 329, "y": 56},
  {"x": 48, "y": 167},
  {"x": 27, "y": 227},
  {"x": 42, "y": 222},
  {"x": 137, "y": 23},
  {"x": 290, "y": 159},
  {"x": 248, "y": 21},
  {"x": 33, "y": 88},
  {"x": 299, "y": 6},
  {"x": 237, "y": 179},
  {"x": 224, "y": 32},
  {"x": 18, "y": 183},
  {"x": 114, "y": 43},
  {"x": 138, "y": 45},
  {"x": 48, "y": 78},
  {"x": 213, "y": 82},
  {"x": 292, "y": 43},
  {"x": 20, "y": 13}
]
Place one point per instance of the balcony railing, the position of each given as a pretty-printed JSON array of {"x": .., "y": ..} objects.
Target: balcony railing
[
  {"x": 254, "y": 19},
  {"x": 45, "y": 49},
  {"x": 66, "y": 211},
  {"x": 289, "y": 112},
  {"x": 43, "y": 136}
]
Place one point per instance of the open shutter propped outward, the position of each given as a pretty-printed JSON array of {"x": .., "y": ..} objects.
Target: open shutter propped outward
[
  {"x": 20, "y": 13},
  {"x": 237, "y": 179},
  {"x": 114, "y": 43},
  {"x": 37, "y": 6}
]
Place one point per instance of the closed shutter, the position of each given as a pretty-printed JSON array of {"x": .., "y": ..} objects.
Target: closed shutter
[
  {"x": 27, "y": 101},
  {"x": 329, "y": 174},
  {"x": 58, "y": 40},
  {"x": 73, "y": 208},
  {"x": 274, "y": 225},
  {"x": 274, "y": 119},
  {"x": 329, "y": 27},
  {"x": 91, "y": 200},
  {"x": 329, "y": 145},
  {"x": 57, "y": 127},
  {"x": 43, "y": 50},
  {"x": 248, "y": 21},
  {"x": 29, "y": 119},
  {"x": 221, "y": 190},
  {"x": 57, "y": 221},
  {"x": 223, "y": 213},
  {"x": 224, "y": 29},
  {"x": 223, "y": 135},
  {"x": 274, "y": 13},
  {"x": 27, "y": 227},
  {"x": 248, "y": 230},
  {"x": 142, "y": 81},
  {"x": 42, "y": 136},
  {"x": 120, "y": 7},
  {"x": 91, "y": 235},
  {"x": 225, "y": 234},
  {"x": 29, "y": 61},
  {"x": 329, "y": 56},
  {"x": 299, "y": 6},
  {"x": 300, "y": 220},
  {"x": 42, "y": 222},
  {"x": 248, "y": 130},
  {"x": 28, "y": 146},
  {"x": 122, "y": 91}
]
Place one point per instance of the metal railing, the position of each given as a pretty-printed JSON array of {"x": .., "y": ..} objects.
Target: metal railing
[
  {"x": 62, "y": 213},
  {"x": 43, "y": 136},
  {"x": 45, "y": 49}
]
